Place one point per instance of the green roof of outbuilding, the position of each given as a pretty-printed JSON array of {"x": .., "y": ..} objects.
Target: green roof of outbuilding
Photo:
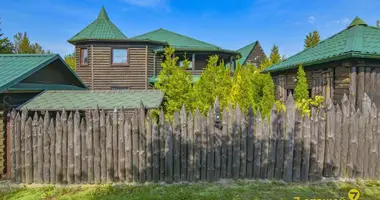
[
  {"x": 245, "y": 51},
  {"x": 91, "y": 99},
  {"x": 100, "y": 29},
  {"x": 16, "y": 67},
  {"x": 179, "y": 42},
  {"x": 356, "y": 41}
]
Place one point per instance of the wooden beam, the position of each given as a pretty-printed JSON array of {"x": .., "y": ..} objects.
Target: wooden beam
[{"x": 360, "y": 87}]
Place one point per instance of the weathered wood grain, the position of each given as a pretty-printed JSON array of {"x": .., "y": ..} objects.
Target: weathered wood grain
[
  {"x": 156, "y": 153},
  {"x": 103, "y": 155},
  {"x": 190, "y": 142},
  {"x": 306, "y": 134},
  {"x": 243, "y": 146},
  {"x": 46, "y": 156},
  {"x": 128, "y": 150},
  {"x": 272, "y": 142},
  {"x": 257, "y": 142},
  {"x": 142, "y": 142},
  {"x": 183, "y": 144},
  {"x": 176, "y": 148},
  {"x": 337, "y": 142},
  {"x": 289, "y": 139},
  {"x": 64, "y": 146},
  {"x": 109, "y": 148},
  {"x": 121, "y": 146},
  {"x": 297, "y": 146},
  {"x": 77, "y": 149},
  {"x": 162, "y": 144},
  {"x": 28, "y": 152},
  {"x": 96, "y": 145},
  {"x": 35, "y": 145},
  {"x": 70, "y": 150},
  {"x": 280, "y": 146},
  {"x": 148, "y": 128},
  {"x": 344, "y": 136},
  {"x": 230, "y": 135},
  {"x": 197, "y": 145},
  {"x": 236, "y": 143},
  {"x": 115, "y": 142},
  {"x": 169, "y": 153}
]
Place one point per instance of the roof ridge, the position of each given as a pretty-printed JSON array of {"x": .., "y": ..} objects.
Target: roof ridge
[
  {"x": 190, "y": 38},
  {"x": 29, "y": 55},
  {"x": 248, "y": 45}
]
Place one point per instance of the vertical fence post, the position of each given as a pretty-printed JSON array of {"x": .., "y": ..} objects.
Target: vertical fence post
[
  {"x": 183, "y": 144},
  {"x": 289, "y": 139},
  {"x": 58, "y": 148},
  {"x": 52, "y": 151},
  {"x": 35, "y": 146},
  {"x": 162, "y": 144},
  {"x": 46, "y": 170},
  {"x": 197, "y": 145},
  {"x": 83, "y": 151},
  {"x": 361, "y": 142},
  {"x": 156, "y": 153},
  {"x": 280, "y": 146},
  {"x": 115, "y": 141},
  {"x": 257, "y": 142},
  {"x": 40, "y": 151},
  {"x": 13, "y": 143},
  {"x": 135, "y": 146},
  {"x": 176, "y": 147},
  {"x": 352, "y": 146},
  {"x": 314, "y": 146},
  {"x": 128, "y": 149},
  {"x": 229, "y": 141},
  {"x": 28, "y": 152},
  {"x": 273, "y": 142},
  {"x": 373, "y": 143},
  {"x": 17, "y": 139},
  {"x": 96, "y": 145},
  {"x": 217, "y": 139},
  {"x": 250, "y": 144},
  {"x": 64, "y": 145},
  {"x": 77, "y": 148},
  {"x": 70, "y": 145},
  {"x": 264, "y": 148},
  {"x": 330, "y": 128},
  {"x": 345, "y": 136},
  {"x": 142, "y": 136},
  {"x": 169, "y": 153},
  {"x": 338, "y": 139},
  {"x": 203, "y": 149},
  {"x": 305, "y": 148},
  {"x": 236, "y": 143},
  {"x": 243, "y": 146},
  {"x": 148, "y": 128},
  {"x": 109, "y": 148},
  {"x": 297, "y": 146},
  {"x": 103, "y": 162},
  {"x": 24, "y": 116},
  {"x": 90, "y": 147},
  {"x": 321, "y": 142},
  {"x": 190, "y": 147},
  {"x": 210, "y": 146},
  {"x": 121, "y": 146}
]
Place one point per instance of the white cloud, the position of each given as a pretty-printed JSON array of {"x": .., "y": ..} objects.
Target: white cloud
[
  {"x": 311, "y": 19},
  {"x": 344, "y": 21}
]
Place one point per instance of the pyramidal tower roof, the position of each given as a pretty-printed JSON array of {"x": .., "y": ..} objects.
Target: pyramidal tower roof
[
  {"x": 357, "y": 21},
  {"x": 100, "y": 29}
]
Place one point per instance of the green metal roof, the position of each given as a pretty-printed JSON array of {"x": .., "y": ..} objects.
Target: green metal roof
[
  {"x": 356, "y": 41},
  {"x": 100, "y": 29},
  {"x": 41, "y": 87},
  {"x": 179, "y": 42},
  {"x": 91, "y": 99},
  {"x": 245, "y": 51},
  {"x": 153, "y": 80},
  {"x": 16, "y": 67}
]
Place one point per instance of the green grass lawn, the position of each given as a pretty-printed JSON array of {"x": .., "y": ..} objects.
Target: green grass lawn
[{"x": 228, "y": 190}]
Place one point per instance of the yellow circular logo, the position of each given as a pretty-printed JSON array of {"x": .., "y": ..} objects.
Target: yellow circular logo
[{"x": 353, "y": 194}]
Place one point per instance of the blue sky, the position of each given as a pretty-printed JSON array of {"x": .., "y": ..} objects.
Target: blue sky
[{"x": 226, "y": 23}]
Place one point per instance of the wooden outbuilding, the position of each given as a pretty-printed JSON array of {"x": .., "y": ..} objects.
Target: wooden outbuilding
[{"x": 347, "y": 62}]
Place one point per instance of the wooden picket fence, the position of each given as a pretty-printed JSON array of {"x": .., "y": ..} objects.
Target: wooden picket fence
[{"x": 228, "y": 144}]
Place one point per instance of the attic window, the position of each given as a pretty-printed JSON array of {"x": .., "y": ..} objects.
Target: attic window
[
  {"x": 119, "y": 56},
  {"x": 83, "y": 56}
]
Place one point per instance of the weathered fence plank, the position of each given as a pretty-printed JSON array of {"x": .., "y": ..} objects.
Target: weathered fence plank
[
  {"x": 229, "y": 141},
  {"x": 176, "y": 147},
  {"x": 330, "y": 128},
  {"x": 280, "y": 146},
  {"x": 190, "y": 147},
  {"x": 345, "y": 136},
  {"x": 135, "y": 147},
  {"x": 257, "y": 146},
  {"x": 197, "y": 145},
  {"x": 115, "y": 142},
  {"x": 306, "y": 131},
  {"x": 17, "y": 139},
  {"x": 121, "y": 146},
  {"x": 217, "y": 139},
  {"x": 210, "y": 146},
  {"x": 12, "y": 124},
  {"x": 83, "y": 151},
  {"x": 361, "y": 142},
  {"x": 96, "y": 145},
  {"x": 128, "y": 150},
  {"x": 52, "y": 151},
  {"x": 156, "y": 154},
  {"x": 183, "y": 144},
  {"x": 35, "y": 145},
  {"x": 24, "y": 116},
  {"x": 264, "y": 149},
  {"x": 46, "y": 169},
  {"x": 337, "y": 142},
  {"x": 321, "y": 142},
  {"x": 352, "y": 146},
  {"x": 28, "y": 152},
  {"x": 236, "y": 143},
  {"x": 162, "y": 143},
  {"x": 169, "y": 153},
  {"x": 243, "y": 146},
  {"x": 90, "y": 147},
  {"x": 368, "y": 134},
  {"x": 58, "y": 148},
  {"x": 272, "y": 142},
  {"x": 64, "y": 146},
  {"x": 148, "y": 127},
  {"x": 289, "y": 139},
  {"x": 313, "y": 173},
  {"x": 103, "y": 161},
  {"x": 142, "y": 138},
  {"x": 373, "y": 143},
  {"x": 377, "y": 141},
  {"x": 70, "y": 150},
  {"x": 297, "y": 146},
  {"x": 250, "y": 145},
  {"x": 40, "y": 150},
  {"x": 204, "y": 149},
  {"x": 77, "y": 148},
  {"x": 109, "y": 149}
]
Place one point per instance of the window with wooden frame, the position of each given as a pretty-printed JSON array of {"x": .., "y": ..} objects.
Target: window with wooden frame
[
  {"x": 84, "y": 56},
  {"x": 120, "y": 57}
]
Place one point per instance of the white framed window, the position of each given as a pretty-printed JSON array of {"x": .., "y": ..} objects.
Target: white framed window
[
  {"x": 120, "y": 56},
  {"x": 84, "y": 56}
]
